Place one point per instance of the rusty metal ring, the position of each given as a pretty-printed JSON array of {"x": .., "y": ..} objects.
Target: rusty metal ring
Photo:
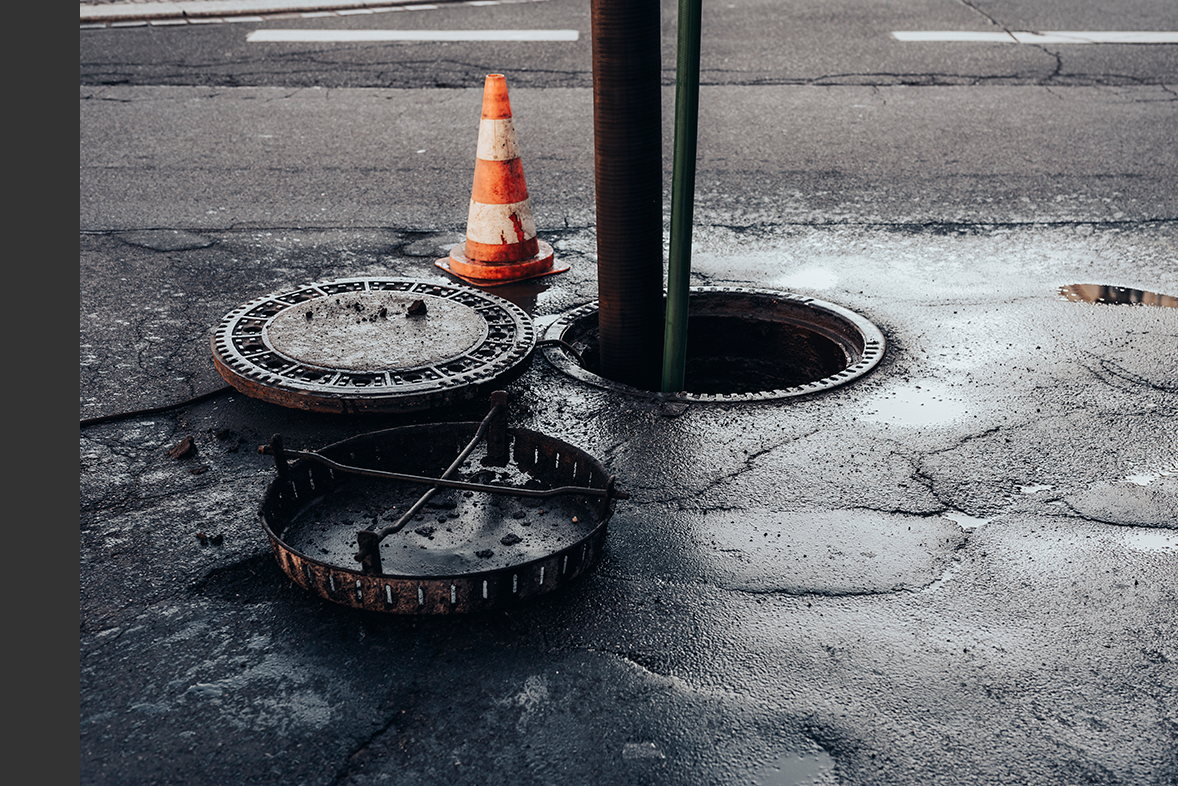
[{"x": 545, "y": 461}]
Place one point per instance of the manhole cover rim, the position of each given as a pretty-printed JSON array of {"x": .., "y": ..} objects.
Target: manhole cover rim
[
  {"x": 390, "y": 389},
  {"x": 873, "y": 341}
]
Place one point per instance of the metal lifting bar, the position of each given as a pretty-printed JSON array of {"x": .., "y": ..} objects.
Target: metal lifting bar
[{"x": 493, "y": 428}]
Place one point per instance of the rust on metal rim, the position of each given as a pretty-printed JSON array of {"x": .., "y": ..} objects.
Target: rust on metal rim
[
  {"x": 304, "y": 507},
  {"x": 372, "y": 345}
]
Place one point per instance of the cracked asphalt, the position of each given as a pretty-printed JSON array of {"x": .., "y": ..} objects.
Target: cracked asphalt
[{"x": 959, "y": 569}]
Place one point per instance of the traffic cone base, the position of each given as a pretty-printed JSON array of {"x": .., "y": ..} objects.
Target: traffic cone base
[{"x": 486, "y": 274}]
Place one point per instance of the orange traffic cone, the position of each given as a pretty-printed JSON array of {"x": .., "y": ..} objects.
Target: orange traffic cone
[{"x": 501, "y": 244}]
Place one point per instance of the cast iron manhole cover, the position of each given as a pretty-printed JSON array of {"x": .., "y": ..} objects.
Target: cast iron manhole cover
[
  {"x": 372, "y": 345},
  {"x": 742, "y": 345}
]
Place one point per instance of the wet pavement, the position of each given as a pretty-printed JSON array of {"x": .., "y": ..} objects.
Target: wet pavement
[{"x": 961, "y": 568}]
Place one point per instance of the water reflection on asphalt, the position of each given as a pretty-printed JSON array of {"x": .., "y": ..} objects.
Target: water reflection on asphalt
[
  {"x": 1102, "y": 293},
  {"x": 798, "y": 769}
]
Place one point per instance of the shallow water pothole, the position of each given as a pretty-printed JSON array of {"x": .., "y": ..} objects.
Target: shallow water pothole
[
  {"x": 742, "y": 345},
  {"x": 1120, "y": 296},
  {"x": 803, "y": 768}
]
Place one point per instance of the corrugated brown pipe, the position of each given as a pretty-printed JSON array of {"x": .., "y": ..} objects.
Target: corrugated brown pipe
[{"x": 627, "y": 132}]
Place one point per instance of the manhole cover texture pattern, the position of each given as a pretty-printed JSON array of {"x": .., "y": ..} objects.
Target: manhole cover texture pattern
[{"x": 351, "y": 345}]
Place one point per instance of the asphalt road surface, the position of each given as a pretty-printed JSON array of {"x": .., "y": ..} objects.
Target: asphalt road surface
[
  {"x": 959, "y": 569},
  {"x": 750, "y": 42},
  {"x": 818, "y": 114}
]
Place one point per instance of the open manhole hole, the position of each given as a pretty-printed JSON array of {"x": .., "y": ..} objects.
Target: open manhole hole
[
  {"x": 1117, "y": 296},
  {"x": 742, "y": 345},
  {"x": 373, "y": 345}
]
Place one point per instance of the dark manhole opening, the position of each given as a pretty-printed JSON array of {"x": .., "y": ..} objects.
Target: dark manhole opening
[
  {"x": 738, "y": 355},
  {"x": 742, "y": 345}
]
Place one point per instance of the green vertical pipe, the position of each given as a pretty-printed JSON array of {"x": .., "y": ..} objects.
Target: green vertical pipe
[{"x": 682, "y": 194}]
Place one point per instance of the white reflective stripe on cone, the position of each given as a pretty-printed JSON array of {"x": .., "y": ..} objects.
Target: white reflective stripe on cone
[
  {"x": 494, "y": 224},
  {"x": 497, "y": 140}
]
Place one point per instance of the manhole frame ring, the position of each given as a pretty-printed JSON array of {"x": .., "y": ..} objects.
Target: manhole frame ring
[
  {"x": 873, "y": 340},
  {"x": 360, "y": 590}
]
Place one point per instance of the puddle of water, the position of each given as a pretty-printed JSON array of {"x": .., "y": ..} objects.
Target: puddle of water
[
  {"x": 967, "y": 523},
  {"x": 1153, "y": 540},
  {"x": 1101, "y": 293},
  {"x": 1034, "y": 489},
  {"x": 832, "y": 552},
  {"x": 798, "y": 769},
  {"x": 1145, "y": 478},
  {"x": 524, "y": 294},
  {"x": 918, "y": 404},
  {"x": 641, "y": 750},
  {"x": 205, "y": 690}
]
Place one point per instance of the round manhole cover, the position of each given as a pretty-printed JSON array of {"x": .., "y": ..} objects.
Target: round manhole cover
[
  {"x": 742, "y": 345},
  {"x": 372, "y": 345}
]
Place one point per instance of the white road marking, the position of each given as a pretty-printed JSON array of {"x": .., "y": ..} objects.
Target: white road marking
[
  {"x": 1103, "y": 37},
  {"x": 1048, "y": 37},
  {"x": 950, "y": 35},
  {"x": 412, "y": 35}
]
